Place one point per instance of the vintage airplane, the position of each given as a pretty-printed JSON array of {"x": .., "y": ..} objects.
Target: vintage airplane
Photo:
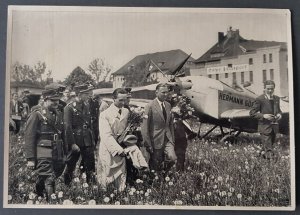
[{"x": 214, "y": 102}]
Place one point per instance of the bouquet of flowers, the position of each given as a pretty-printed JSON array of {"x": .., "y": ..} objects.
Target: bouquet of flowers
[{"x": 181, "y": 107}]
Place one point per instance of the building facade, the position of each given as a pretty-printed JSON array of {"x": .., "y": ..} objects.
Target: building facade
[
  {"x": 237, "y": 61},
  {"x": 158, "y": 65}
]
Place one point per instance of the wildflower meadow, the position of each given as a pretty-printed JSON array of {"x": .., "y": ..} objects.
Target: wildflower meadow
[{"x": 216, "y": 174}]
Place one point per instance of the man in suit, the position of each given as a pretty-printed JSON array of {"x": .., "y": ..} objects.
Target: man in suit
[
  {"x": 111, "y": 164},
  {"x": 158, "y": 131},
  {"x": 266, "y": 109}
]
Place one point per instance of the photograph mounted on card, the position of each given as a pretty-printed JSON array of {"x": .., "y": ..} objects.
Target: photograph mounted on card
[{"x": 149, "y": 108}]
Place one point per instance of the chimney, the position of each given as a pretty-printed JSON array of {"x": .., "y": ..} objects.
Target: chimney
[{"x": 220, "y": 37}]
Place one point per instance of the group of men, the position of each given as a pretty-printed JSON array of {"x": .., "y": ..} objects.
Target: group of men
[{"x": 57, "y": 134}]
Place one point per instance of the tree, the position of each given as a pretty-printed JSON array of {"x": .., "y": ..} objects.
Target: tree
[
  {"x": 137, "y": 75},
  {"x": 78, "y": 76},
  {"x": 99, "y": 70},
  {"x": 40, "y": 69}
]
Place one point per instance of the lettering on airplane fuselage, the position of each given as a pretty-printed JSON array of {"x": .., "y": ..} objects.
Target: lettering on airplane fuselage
[{"x": 236, "y": 100}]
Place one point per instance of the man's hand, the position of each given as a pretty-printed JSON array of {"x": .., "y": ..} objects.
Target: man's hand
[
  {"x": 278, "y": 117},
  {"x": 121, "y": 153},
  {"x": 75, "y": 148},
  {"x": 30, "y": 165},
  {"x": 269, "y": 117}
]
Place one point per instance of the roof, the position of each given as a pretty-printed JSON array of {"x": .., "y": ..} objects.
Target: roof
[
  {"x": 233, "y": 45},
  {"x": 165, "y": 60},
  {"x": 25, "y": 85}
]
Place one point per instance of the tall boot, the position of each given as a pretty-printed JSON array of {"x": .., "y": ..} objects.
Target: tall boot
[
  {"x": 49, "y": 191},
  {"x": 39, "y": 187}
]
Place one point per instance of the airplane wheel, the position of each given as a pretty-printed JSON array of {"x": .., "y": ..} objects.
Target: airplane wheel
[{"x": 228, "y": 138}]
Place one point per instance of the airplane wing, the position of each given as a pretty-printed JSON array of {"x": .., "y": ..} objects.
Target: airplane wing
[{"x": 235, "y": 113}]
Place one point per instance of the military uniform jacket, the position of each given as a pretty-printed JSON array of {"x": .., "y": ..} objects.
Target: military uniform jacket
[
  {"x": 42, "y": 128},
  {"x": 263, "y": 105},
  {"x": 77, "y": 121}
]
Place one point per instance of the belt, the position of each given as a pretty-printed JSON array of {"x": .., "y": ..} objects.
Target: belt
[{"x": 53, "y": 137}]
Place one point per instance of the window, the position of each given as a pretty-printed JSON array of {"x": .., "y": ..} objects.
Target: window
[
  {"x": 264, "y": 75},
  {"x": 209, "y": 76},
  {"x": 272, "y": 74},
  {"x": 217, "y": 76},
  {"x": 226, "y": 75},
  {"x": 242, "y": 77},
  {"x": 234, "y": 77},
  {"x": 230, "y": 65},
  {"x": 270, "y": 58},
  {"x": 264, "y": 58},
  {"x": 250, "y": 61},
  {"x": 251, "y": 76}
]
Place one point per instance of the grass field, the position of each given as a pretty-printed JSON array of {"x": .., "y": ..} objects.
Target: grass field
[{"x": 216, "y": 175}]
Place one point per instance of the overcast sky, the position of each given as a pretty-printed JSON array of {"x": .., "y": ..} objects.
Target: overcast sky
[{"x": 67, "y": 38}]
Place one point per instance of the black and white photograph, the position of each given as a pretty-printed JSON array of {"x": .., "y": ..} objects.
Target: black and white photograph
[{"x": 149, "y": 108}]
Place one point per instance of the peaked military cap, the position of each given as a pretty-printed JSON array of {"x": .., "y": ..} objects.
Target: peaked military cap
[
  {"x": 83, "y": 88},
  {"x": 56, "y": 86},
  {"x": 52, "y": 91}
]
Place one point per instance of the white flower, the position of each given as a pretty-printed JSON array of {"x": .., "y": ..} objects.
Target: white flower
[
  {"x": 149, "y": 190},
  {"x": 167, "y": 179},
  {"x": 277, "y": 190},
  {"x": 146, "y": 194},
  {"x": 170, "y": 183},
  {"x": 229, "y": 194},
  {"x": 83, "y": 176},
  {"x": 53, "y": 196},
  {"x": 76, "y": 180},
  {"x": 138, "y": 181},
  {"x": 223, "y": 193},
  {"x": 239, "y": 196},
  {"x": 9, "y": 197},
  {"x": 139, "y": 203},
  {"x": 209, "y": 193},
  {"x": 67, "y": 202},
  {"x": 178, "y": 202},
  {"x": 29, "y": 202},
  {"x": 85, "y": 185},
  {"x": 137, "y": 192},
  {"x": 231, "y": 189},
  {"x": 31, "y": 195},
  {"x": 130, "y": 193},
  {"x": 117, "y": 203},
  {"x": 112, "y": 195},
  {"x": 215, "y": 186},
  {"x": 220, "y": 178},
  {"x": 141, "y": 192},
  {"x": 249, "y": 198},
  {"x": 132, "y": 189},
  {"x": 183, "y": 192},
  {"x": 60, "y": 194},
  {"x": 197, "y": 197},
  {"x": 106, "y": 199},
  {"x": 37, "y": 202},
  {"x": 92, "y": 202},
  {"x": 156, "y": 178}
]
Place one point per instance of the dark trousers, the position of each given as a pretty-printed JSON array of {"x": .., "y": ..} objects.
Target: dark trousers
[
  {"x": 180, "y": 150},
  {"x": 47, "y": 170},
  {"x": 88, "y": 162},
  {"x": 18, "y": 126},
  {"x": 268, "y": 140}
]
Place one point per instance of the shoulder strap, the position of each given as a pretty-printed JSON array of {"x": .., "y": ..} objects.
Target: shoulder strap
[{"x": 48, "y": 122}]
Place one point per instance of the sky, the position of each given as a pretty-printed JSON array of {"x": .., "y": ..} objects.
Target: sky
[{"x": 65, "y": 38}]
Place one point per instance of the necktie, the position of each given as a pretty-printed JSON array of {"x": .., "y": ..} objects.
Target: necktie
[
  {"x": 164, "y": 110},
  {"x": 120, "y": 112}
]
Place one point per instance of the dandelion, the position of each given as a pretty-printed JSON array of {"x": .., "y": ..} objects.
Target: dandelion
[
  {"x": 167, "y": 179},
  {"x": 178, "y": 202},
  {"x": 31, "y": 195},
  {"x": 29, "y": 202},
  {"x": 53, "y": 196},
  {"x": 9, "y": 197},
  {"x": 92, "y": 202},
  {"x": 60, "y": 194},
  {"x": 67, "y": 202},
  {"x": 106, "y": 199},
  {"x": 117, "y": 203},
  {"x": 239, "y": 196},
  {"x": 170, "y": 183},
  {"x": 85, "y": 185}
]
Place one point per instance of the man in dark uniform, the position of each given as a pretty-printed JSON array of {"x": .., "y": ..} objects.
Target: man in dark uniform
[
  {"x": 94, "y": 105},
  {"x": 79, "y": 135},
  {"x": 266, "y": 109},
  {"x": 16, "y": 109},
  {"x": 44, "y": 146}
]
